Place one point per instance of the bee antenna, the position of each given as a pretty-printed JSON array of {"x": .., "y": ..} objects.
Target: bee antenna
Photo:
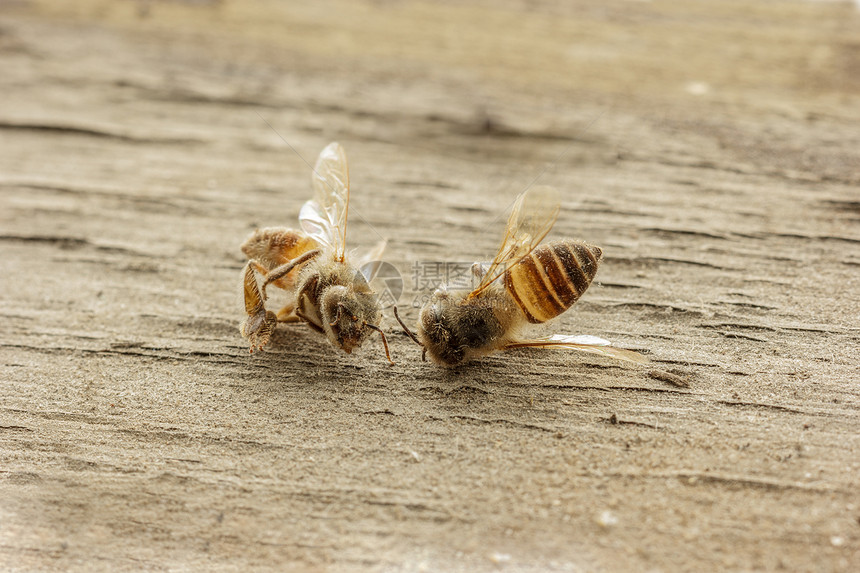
[
  {"x": 406, "y": 329},
  {"x": 384, "y": 341}
]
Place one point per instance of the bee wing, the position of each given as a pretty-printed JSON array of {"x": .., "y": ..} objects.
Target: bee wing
[
  {"x": 370, "y": 263},
  {"x": 583, "y": 343},
  {"x": 315, "y": 222},
  {"x": 324, "y": 216},
  {"x": 532, "y": 217}
]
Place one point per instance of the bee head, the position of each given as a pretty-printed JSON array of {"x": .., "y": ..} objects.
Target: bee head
[
  {"x": 453, "y": 328},
  {"x": 349, "y": 317},
  {"x": 436, "y": 329}
]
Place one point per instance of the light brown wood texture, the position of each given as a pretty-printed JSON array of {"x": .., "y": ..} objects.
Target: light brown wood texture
[{"x": 711, "y": 150}]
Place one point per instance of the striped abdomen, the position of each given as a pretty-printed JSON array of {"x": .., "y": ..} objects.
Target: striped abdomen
[{"x": 552, "y": 277}]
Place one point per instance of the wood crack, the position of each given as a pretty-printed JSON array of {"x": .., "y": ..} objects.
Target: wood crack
[{"x": 90, "y": 132}]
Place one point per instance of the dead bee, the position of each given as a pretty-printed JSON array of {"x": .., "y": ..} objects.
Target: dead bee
[
  {"x": 330, "y": 294},
  {"x": 538, "y": 283}
]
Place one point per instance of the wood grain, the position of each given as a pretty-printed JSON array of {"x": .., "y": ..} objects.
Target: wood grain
[{"x": 709, "y": 149}]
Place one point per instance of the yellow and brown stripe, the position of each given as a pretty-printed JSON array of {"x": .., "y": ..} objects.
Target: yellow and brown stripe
[{"x": 552, "y": 277}]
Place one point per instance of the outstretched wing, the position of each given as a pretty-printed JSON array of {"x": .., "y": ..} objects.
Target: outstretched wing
[
  {"x": 583, "y": 343},
  {"x": 370, "y": 263},
  {"x": 324, "y": 216},
  {"x": 532, "y": 217}
]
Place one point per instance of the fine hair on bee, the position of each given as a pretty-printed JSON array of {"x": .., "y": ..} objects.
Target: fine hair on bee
[
  {"x": 326, "y": 290},
  {"x": 526, "y": 283}
]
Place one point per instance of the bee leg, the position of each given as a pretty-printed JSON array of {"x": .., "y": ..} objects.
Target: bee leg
[
  {"x": 412, "y": 336},
  {"x": 258, "y": 325},
  {"x": 253, "y": 299},
  {"x": 341, "y": 307},
  {"x": 258, "y": 329},
  {"x": 288, "y": 314},
  {"x": 311, "y": 323},
  {"x": 408, "y": 332},
  {"x": 384, "y": 341},
  {"x": 283, "y": 270},
  {"x": 257, "y": 266}
]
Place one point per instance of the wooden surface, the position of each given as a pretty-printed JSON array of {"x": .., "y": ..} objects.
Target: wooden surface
[{"x": 711, "y": 149}]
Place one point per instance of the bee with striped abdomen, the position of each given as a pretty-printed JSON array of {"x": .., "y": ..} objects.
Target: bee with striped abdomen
[
  {"x": 327, "y": 292},
  {"x": 525, "y": 283}
]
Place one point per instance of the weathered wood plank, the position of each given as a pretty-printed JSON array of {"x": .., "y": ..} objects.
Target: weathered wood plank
[{"x": 709, "y": 149}]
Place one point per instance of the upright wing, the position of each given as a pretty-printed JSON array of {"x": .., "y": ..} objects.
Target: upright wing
[
  {"x": 369, "y": 263},
  {"x": 324, "y": 216},
  {"x": 583, "y": 343},
  {"x": 532, "y": 217}
]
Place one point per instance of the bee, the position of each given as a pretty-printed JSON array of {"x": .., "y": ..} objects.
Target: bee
[
  {"x": 526, "y": 283},
  {"x": 328, "y": 293}
]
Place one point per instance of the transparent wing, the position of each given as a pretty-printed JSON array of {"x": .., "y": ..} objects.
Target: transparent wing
[
  {"x": 532, "y": 217},
  {"x": 324, "y": 217},
  {"x": 370, "y": 262},
  {"x": 582, "y": 343},
  {"x": 315, "y": 222}
]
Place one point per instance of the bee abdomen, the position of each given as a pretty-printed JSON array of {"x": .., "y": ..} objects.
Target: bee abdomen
[
  {"x": 552, "y": 277},
  {"x": 274, "y": 246}
]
